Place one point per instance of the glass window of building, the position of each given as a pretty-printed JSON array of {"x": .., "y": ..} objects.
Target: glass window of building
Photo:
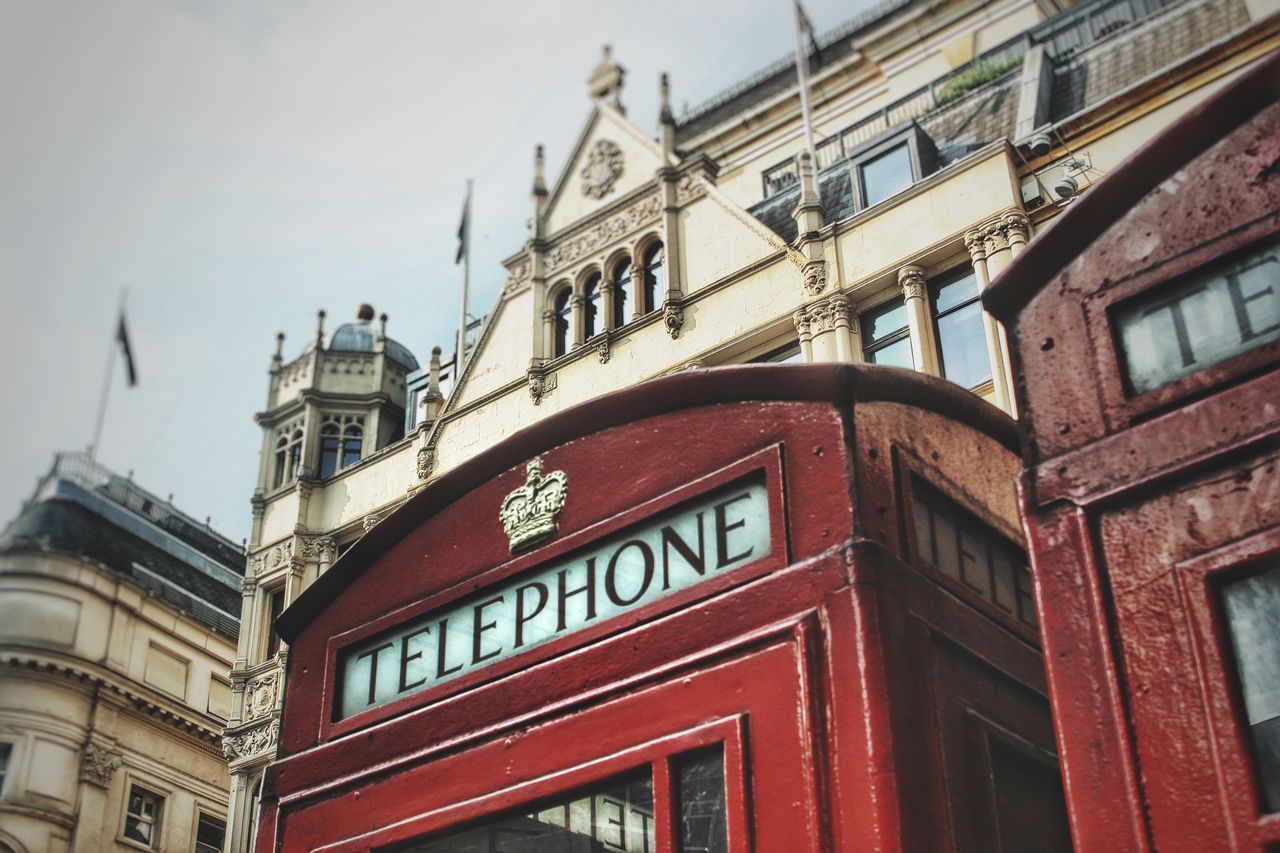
[
  {"x": 789, "y": 354},
  {"x": 885, "y": 175},
  {"x": 655, "y": 280},
  {"x": 6, "y": 749},
  {"x": 962, "y": 343},
  {"x": 1252, "y": 606},
  {"x": 329, "y": 441},
  {"x": 352, "y": 443},
  {"x": 886, "y": 339},
  {"x": 591, "y": 313},
  {"x": 275, "y": 606},
  {"x": 623, "y": 295},
  {"x": 563, "y": 322},
  {"x": 142, "y": 818},
  {"x": 211, "y": 832}
]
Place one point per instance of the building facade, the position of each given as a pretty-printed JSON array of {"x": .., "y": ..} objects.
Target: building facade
[
  {"x": 117, "y": 632},
  {"x": 948, "y": 134}
]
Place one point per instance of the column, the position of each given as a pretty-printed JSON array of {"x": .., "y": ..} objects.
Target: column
[
  {"x": 919, "y": 322},
  {"x": 577, "y": 304},
  {"x": 801, "y": 320},
  {"x": 840, "y": 315},
  {"x": 976, "y": 243}
]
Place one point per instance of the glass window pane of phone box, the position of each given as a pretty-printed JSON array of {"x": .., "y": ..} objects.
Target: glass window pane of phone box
[
  {"x": 1227, "y": 309},
  {"x": 1252, "y": 607}
]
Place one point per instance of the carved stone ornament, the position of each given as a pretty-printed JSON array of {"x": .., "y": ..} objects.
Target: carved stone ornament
[
  {"x": 815, "y": 277},
  {"x": 316, "y": 548},
  {"x": 426, "y": 461},
  {"x": 371, "y": 521},
  {"x": 911, "y": 279},
  {"x": 540, "y": 384},
  {"x": 688, "y": 188},
  {"x": 99, "y": 764},
  {"x": 252, "y": 742},
  {"x": 594, "y": 238},
  {"x": 530, "y": 513},
  {"x": 602, "y": 349},
  {"x": 260, "y": 696},
  {"x": 602, "y": 170},
  {"x": 673, "y": 318}
]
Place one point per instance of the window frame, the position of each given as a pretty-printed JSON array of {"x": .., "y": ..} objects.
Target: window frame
[
  {"x": 626, "y": 291},
  {"x": 653, "y": 296},
  {"x": 7, "y": 752},
  {"x": 562, "y": 312},
  {"x": 904, "y": 333},
  {"x": 922, "y": 155},
  {"x": 1121, "y": 408},
  {"x": 203, "y": 811},
  {"x": 268, "y": 632},
  {"x": 162, "y": 797},
  {"x": 936, "y": 283},
  {"x": 1199, "y": 581}
]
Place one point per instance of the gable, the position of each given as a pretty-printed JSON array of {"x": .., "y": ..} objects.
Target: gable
[{"x": 612, "y": 158}]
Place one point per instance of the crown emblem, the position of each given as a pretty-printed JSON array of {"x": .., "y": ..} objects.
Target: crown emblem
[{"x": 529, "y": 514}]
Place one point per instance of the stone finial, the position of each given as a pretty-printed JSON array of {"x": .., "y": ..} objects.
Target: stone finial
[
  {"x": 382, "y": 326},
  {"x": 809, "y": 214},
  {"x": 364, "y": 312},
  {"x": 279, "y": 354},
  {"x": 666, "y": 121},
  {"x": 605, "y": 82},
  {"x": 539, "y": 171},
  {"x": 433, "y": 371},
  {"x": 319, "y": 328}
]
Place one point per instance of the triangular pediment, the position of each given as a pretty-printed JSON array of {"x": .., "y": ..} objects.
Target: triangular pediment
[{"x": 611, "y": 158}]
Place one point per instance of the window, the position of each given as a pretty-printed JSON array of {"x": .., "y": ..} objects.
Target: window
[
  {"x": 885, "y": 337},
  {"x": 211, "y": 832},
  {"x": 789, "y": 354},
  {"x": 965, "y": 550},
  {"x": 563, "y": 322},
  {"x": 882, "y": 169},
  {"x": 288, "y": 456},
  {"x": 275, "y": 606},
  {"x": 142, "y": 817},
  {"x": 1209, "y": 317},
  {"x": 655, "y": 280},
  {"x": 1252, "y": 607},
  {"x": 592, "y": 315},
  {"x": 885, "y": 175},
  {"x": 341, "y": 442},
  {"x": 623, "y": 292},
  {"x": 962, "y": 343},
  {"x": 703, "y": 828},
  {"x": 6, "y": 749}
]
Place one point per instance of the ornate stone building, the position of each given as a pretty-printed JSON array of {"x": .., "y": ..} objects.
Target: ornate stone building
[
  {"x": 117, "y": 631},
  {"x": 947, "y": 134}
]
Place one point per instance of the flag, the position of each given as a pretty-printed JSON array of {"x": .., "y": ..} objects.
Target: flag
[
  {"x": 464, "y": 227},
  {"x": 122, "y": 337}
]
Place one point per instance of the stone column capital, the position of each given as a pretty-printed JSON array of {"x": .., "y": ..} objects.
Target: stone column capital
[
  {"x": 911, "y": 280},
  {"x": 976, "y": 242}
]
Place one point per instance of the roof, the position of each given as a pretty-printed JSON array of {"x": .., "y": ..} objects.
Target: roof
[
  {"x": 360, "y": 336},
  {"x": 1088, "y": 216},
  {"x": 64, "y": 525}
]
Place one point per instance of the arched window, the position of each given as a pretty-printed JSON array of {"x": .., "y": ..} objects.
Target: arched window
[
  {"x": 655, "y": 278},
  {"x": 352, "y": 444},
  {"x": 623, "y": 292},
  {"x": 329, "y": 440},
  {"x": 341, "y": 442},
  {"x": 288, "y": 456},
  {"x": 592, "y": 316},
  {"x": 563, "y": 322}
]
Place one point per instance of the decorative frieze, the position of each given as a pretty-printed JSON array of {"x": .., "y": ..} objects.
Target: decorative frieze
[
  {"x": 688, "y": 188},
  {"x": 254, "y": 742},
  {"x": 271, "y": 558},
  {"x": 613, "y": 228},
  {"x": 99, "y": 764}
]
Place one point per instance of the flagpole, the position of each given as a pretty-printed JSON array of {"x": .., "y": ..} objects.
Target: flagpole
[
  {"x": 466, "y": 284},
  {"x": 106, "y": 380},
  {"x": 802, "y": 71}
]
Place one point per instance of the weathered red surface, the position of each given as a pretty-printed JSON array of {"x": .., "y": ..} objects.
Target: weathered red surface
[
  {"x": 1134, "y": 502},
  {"x": 858, "y": 696}
]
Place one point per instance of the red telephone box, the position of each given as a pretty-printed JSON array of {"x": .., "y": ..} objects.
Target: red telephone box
[
  {"x": 772, "y": 608},
  {"x": 1152, "y": 494}
]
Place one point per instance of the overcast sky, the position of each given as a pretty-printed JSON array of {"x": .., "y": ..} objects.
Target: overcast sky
[{"x": 238, "y": 164}]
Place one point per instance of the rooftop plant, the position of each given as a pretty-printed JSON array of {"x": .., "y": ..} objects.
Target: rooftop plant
[{"x": 984, "y": 72}]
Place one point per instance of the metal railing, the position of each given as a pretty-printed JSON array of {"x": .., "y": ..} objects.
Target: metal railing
[
  {"x": 1061, "y": 36},
  {"x": 80, "y": 469}
]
